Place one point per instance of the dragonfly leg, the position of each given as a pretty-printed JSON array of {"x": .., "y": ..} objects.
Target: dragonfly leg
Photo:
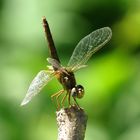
[
  {"x": 63, "y": 99},
  {"x": 69, "y": 99},
  {"x": 52, "y": 97},
  {"x": 58, "y": 104},
  {"x": 57, "y": 95},
  {"x": 76, "y": 103}
]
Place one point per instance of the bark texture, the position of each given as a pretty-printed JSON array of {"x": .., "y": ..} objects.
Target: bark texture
[{"x": 71, "y": 123}]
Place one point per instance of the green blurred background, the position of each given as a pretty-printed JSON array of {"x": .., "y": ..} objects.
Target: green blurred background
[{"x": 111, "y": 80}]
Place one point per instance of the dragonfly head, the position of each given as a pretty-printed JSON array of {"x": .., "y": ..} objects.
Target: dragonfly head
[{"x": 77, "y": 91}]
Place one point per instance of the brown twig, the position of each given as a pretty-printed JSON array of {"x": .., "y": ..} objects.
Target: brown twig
[{"x": 71, "y": 123}]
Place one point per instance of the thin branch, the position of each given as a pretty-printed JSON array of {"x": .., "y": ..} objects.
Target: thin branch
[{"x": 71, "y": 123}]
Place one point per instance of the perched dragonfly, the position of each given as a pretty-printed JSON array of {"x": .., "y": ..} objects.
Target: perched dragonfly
[{"x": 65, "y": 75}]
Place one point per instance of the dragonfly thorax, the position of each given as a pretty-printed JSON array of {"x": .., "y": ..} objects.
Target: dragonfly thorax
[
  {"x": 77, "y": 91},
  {"x": 67, "y": 79}
]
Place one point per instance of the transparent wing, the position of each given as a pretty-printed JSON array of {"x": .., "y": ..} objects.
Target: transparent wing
[
  {"x": 89, "y": 45},
  {"x": 57, "y": 65},
  {"x": 41, "y": 79},
  {"x": 54, "y": 63}
]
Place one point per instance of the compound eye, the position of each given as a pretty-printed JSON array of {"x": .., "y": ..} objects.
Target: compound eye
[
  {"x": 80, "y": 91},
  {"x": 73, "y": 92}
]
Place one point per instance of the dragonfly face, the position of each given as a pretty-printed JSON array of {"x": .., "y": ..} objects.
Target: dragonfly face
[
  {"x": 77, "y": 91},
  {"x": 81, "y": 54}
]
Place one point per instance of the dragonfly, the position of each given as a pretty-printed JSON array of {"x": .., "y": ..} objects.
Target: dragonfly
[{"x": 65, "y": 75}]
